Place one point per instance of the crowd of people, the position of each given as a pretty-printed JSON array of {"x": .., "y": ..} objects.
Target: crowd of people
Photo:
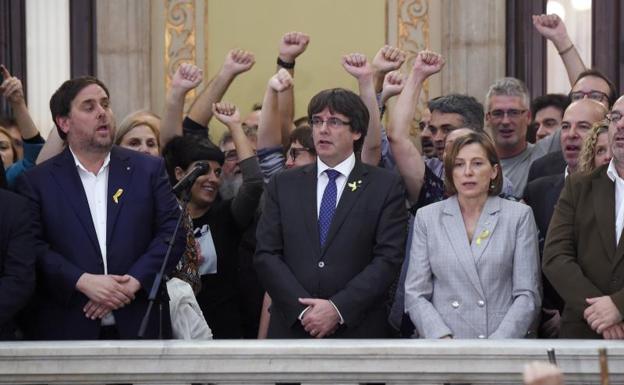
[{"x": 502, "y": 220}]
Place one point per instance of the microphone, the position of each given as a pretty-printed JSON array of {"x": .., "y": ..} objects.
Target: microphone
[{"x": 187, "y": 181}]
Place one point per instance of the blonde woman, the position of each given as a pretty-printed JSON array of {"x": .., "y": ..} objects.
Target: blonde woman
[{"x": 595, "y": 151}]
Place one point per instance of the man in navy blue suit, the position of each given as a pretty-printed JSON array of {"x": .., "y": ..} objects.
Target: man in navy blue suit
[{"x": 106, "y": 216}]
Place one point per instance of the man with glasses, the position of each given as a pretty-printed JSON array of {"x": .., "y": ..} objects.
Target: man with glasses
[
  {"x": 508, "y": 118},
  {"x": 232, "y": 178},
  {"x": 332, "y": 233},
  {"x": 584, "y": 246}
]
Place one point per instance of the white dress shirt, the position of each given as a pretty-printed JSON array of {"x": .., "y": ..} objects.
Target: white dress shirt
[
  {"x": 95, "y": 188},
  {"x": 619, "y": 199}
]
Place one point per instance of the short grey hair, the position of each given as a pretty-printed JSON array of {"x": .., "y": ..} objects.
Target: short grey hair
[{"x": 509, "y": 87}]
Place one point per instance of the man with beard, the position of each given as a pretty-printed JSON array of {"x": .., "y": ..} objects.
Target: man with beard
[
  {"x": 231, "y": 177},
  {"x": 542, "y": 194},
  {"x": 107, "y": 215},
  {"x": 584, "y": 248}
]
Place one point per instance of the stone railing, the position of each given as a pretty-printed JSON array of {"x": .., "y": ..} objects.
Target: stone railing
[{"x": 305, "y": 361}]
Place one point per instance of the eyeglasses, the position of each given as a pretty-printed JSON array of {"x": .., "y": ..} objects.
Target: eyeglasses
[
  {"x": 614, "y": 117},
  {"x": 332, "y": 122},
  {"x": 295, "y": 152},
  {"x": 594, "y": 95},
  {"x": 512, "y": 113}
]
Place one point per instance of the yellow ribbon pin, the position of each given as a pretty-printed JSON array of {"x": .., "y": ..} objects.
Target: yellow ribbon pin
[
  {"x": 354, "y": 185},
  {"x": 117, "y": 195},
  {"x": 484, "y": 234}
]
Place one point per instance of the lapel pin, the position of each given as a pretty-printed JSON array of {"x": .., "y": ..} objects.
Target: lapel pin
[
  {"x": 354, "y": 185},
  {"x": 484, "y": 234},
  {"x": 117, "y": 195}
]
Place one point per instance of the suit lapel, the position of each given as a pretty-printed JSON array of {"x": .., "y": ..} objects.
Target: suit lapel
[
  {"x": 66, "y": 175},
  {"x": 485, "y": 228},
  {"x": 353, "y": 190},
  {"x": 458, "y": 239},
  {"x": 119, "y": 172},
  {"x": 307, "y": 192},
  {"x": 603, "y": 194}
]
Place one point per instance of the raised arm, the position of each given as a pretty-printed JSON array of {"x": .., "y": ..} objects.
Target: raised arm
[
  {"x": 357, "y": 66},
  {"x": 408, "y": 158},
  {"x": 553, "y": 29},
  {"x": 392, "y": 85},
  {"x": 270, "y": 133},
  {"x": 187, "y": 77},
  {"x": 291, "y": 46},
  {"x": 387, "y": 59},
  {"x": 12, "y": 90},
  {"x": 236, "y": 62}
]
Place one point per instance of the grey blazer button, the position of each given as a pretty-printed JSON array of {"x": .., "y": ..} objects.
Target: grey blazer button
[
  {"x": 481, "y": 336},
  {"x": 455, "y": 304},
  {"x": 480, "y": 303},
  {"x": 321, "y": 264}
]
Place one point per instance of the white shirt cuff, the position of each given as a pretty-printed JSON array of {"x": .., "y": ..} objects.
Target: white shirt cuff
[
  {"x": 302, "y": 313},
  {"x": 337, "y": 311}
]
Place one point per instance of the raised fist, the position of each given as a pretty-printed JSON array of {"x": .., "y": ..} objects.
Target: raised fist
[
  {"x": 551, "y": 27},
  {"x": 238, "y": 61},
  {"x": 428, "y": 63},
  {"x": 388, "y": 59},
  {"x": 187, "y": 77},
  {"x": 357, "y": 65},
  {"x": 392, "y": 85},
  {"x": 281, "y": 81},
  {"x": 292, "y": 45},
  {"x": 226, "y": 113}
]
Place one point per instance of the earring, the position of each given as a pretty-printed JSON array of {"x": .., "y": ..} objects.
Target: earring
[{"x": 492, "y": 185}]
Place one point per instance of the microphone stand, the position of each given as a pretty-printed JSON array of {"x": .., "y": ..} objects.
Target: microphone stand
[{"x": 159, "y": 284}]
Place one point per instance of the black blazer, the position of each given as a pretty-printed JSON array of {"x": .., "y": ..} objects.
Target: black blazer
[
  {"x": 542, "y": 195},
  {"x": 552, "y": 163},
  {"x": 360, "y": 260},
  {"x": 17, "y": 259}
]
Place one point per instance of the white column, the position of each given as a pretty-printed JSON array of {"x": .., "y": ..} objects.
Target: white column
[{"x": 47, "y": 54}]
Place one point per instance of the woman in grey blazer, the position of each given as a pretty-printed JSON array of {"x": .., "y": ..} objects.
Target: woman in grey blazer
[{"x": 474, "y": 262}]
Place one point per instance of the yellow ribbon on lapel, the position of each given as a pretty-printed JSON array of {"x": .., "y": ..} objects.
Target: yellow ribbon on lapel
[
  {"x": 354, "y": 185},
  {"x": 484, "y": 234},
  {"x": 117, "y": 195}
]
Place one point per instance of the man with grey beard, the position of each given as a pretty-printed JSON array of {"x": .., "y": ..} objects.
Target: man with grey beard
[{"x": 231, "y": 177}]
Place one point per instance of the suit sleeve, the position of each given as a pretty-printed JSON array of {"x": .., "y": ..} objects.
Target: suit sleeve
[
  {"x": 419, "y": 286},
  {"x": 560, "y": 260},
  {"x": 167, "y": 212},
  {"x": 17, "y": 280},
  {"x": 274, "y": 273},
  {"x": 525, "y": 281},
  {"x": 57, "y": 275},
  {"x": 368, "y": 288}
]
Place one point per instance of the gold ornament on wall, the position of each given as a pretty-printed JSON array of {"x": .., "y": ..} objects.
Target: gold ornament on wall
[{"x": 179, "y": 38}]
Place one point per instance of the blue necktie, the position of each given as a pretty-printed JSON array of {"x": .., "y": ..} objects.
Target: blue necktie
[{"x": 328, "y": 205}]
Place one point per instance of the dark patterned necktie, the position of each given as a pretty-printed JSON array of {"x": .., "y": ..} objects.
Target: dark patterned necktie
[{"x": 328, "y": 205}]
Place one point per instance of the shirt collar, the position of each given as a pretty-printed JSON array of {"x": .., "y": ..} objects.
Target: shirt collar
[
  {"x": 344, "y": 167},
  {"x": 83, "y": 168},
  {"x": 612, "y": 172}
]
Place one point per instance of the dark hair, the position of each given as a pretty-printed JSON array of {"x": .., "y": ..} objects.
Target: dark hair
[
  {"x": 303, "y": 135},
  {"x": 7, "y": 122},
  {"x": 301, "y": 121},
  {"x": 256, "y": 107},
  {"x": 60, "y": 103},
  {"x": 559, "y": 101},
  {"x": 181, "y": 151},
  {"x": 468, "y": 107},
  {"x": 487, "y": 144},
  {"x": 596, "y": 73},
  {"x": 347, "y": 103}
]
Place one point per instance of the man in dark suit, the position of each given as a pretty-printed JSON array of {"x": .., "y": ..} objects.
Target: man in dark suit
[
  {"x": 542, "y": 194},
  {"x": 331, "y": 236},
  {"x": 17, "y": 257},
  {"x": 584, "y": 249},
  {"x": 106, "y": 215}
]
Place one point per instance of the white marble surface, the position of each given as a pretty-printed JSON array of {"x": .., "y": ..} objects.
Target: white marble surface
[{"x": 314, "y": 362}]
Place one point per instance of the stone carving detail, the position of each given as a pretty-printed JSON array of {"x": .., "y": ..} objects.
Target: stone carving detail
[
  {"x": 179, "y": 37},
  {"x": 413, "y": 36}
]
